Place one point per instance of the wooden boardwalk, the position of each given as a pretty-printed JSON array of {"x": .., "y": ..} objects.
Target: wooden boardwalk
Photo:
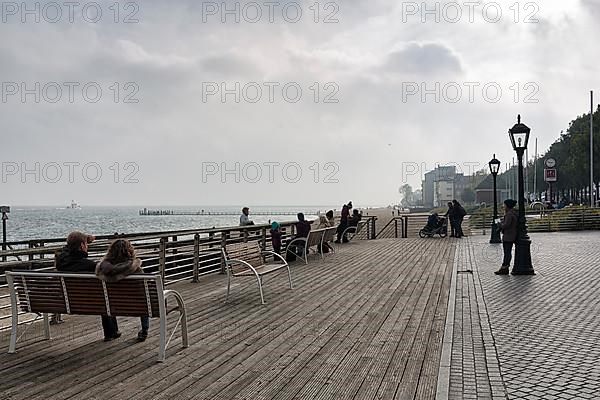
[{"x": 365, "y": 323}]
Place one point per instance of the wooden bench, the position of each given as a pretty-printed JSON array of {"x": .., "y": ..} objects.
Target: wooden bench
[
  {"x": 137, "y": 295},
  {"x": 248, "y": 259},
  {"x": 314, "y": 238},
  {"x": 351, "y": 231}
]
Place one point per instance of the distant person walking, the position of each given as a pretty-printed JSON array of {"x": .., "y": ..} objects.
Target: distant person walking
[
  {"x": 121, "y": 260},
  {"x": 245, "y": 218},
  {"x": 460, "y": 213},
  {"x": 508, "y": 226}
]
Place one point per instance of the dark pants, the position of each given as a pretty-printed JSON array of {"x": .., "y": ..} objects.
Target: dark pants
[
  {"x": 507, "y": 253},
  {"x": 458, "y": 227},
  {"x": 109, "y": 326},
  {"x": 452, "y": 227},
  {"x": 145, "y": 323}
]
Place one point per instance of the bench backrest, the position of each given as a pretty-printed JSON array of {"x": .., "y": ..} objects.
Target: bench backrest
[
  {"x": 329, "y": 234},
  {"x": 314, "y": 237},
  {"x": 249, "y": 252},
  {"x": 76, "y": 293},
  {"x": 359, "y": 226}
]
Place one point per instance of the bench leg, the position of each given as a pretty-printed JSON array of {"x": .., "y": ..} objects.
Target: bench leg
[
  {"x": 162, "y": 347},
  {"x": 289, "y": 277},
  {"x": 262, "y": 298},
  {"x": 13, "y": 332},
  {"x": 46, "y": 327},
  {"x": 228, "y": 286}
]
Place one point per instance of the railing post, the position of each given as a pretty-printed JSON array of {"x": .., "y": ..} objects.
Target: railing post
[
  {"x": 263, "y": 240},
  {"x": 223, "y": 244},
  {"x": 395, "y": 228},
  {"x": 174, "y": 252},
  {"x": 405, "y": 227},
  {"x": 31, "y": 245},
  {"x": 373, "y": 230},
  {"x": 196, "y": 258},
  {"x": 162, "y": 257}
]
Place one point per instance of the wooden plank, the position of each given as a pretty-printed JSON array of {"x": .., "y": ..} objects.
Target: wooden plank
[{"x": 349, "y": 329}]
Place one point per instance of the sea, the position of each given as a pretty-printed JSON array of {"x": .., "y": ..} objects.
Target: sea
[{"x": 26, "y": 223}]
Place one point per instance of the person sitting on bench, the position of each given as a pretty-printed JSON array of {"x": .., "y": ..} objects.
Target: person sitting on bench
[
  {"x": 74, "y": 258},
  {"x": 121, "y": 260}
]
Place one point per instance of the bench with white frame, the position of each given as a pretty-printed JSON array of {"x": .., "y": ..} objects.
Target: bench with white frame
[{"x": 138, "y": 295}]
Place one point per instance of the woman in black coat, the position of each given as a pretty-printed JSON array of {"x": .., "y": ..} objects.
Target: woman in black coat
[{"x": 508, "y": 226}]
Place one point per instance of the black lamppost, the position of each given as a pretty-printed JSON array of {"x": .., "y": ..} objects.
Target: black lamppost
[
  {"x": 494, "y": 168},
  {"x": 519, "y": 136}
]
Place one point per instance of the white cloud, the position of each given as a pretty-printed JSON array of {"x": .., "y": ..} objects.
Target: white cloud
[{"x": 369, "y": 54}]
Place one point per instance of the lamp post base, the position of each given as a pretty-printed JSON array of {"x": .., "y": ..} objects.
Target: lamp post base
[
  {"x": 523, "y": 265},
  {"x": 495, "y": 238}
]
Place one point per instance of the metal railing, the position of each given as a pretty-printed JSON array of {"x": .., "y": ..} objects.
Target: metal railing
[
  {"x": 548, "y": 220},
  {"x": 176, "y": 255}
]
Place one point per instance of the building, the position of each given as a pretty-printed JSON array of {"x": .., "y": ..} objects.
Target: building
[
  {"x": 484, "y": 192},
  {"x": 442, "y": 185}
]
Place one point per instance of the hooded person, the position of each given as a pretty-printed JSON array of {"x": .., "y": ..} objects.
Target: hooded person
[
  {"x": 276, "y": 238},
  {"x": 509, "y": 227},
  {"x": 120, "y": 261}
]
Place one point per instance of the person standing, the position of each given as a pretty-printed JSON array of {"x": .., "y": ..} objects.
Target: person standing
[
  {"x": 459, "y": 214},
  {"x": 509, "y": 228},
  {"x": 74, "y": 258},
  {"x": 121, "y": 260},
  {"x": 343, "y": 222}
]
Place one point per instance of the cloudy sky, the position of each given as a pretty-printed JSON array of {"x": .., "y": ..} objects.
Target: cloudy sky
[{"x": 280, "y": 103}]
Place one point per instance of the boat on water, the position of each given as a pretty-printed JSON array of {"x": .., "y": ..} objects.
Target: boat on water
[{"x": 73, "y": 206}]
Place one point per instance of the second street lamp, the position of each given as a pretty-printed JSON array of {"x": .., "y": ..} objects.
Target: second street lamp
[
  {"x": 519, "y": 137},
  {"x": 494, "y": 168}
]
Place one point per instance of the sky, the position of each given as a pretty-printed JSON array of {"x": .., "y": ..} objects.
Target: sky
[{"x": 278, "y": 103}]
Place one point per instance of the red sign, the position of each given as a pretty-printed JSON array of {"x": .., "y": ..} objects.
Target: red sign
[{"x": 550, "y": 175}]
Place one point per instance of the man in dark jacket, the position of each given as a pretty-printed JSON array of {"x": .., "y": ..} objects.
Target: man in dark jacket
[
  {"x": 459, "y": 215},
  {"x": 74, "y": 258},
  {"x": 509, "y": 227}
]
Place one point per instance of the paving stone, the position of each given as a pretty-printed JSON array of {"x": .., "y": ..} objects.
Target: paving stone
[{"x": 529, "y": 337}]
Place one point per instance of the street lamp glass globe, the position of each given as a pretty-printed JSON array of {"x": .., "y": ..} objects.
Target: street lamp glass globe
[
  {"x": 519, "y": 135},
  {"x": 494, "y": 165}
]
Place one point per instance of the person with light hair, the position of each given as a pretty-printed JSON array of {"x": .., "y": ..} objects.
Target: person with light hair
[{"x": 121, "y": 260}]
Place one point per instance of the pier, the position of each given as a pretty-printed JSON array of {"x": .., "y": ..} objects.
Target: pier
[{"x": 387, "y": 316}]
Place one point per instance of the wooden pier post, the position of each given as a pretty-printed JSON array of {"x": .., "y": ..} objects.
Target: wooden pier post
[{"x": 196, "y": 258}]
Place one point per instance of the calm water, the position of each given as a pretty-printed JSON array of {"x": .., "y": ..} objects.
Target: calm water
[{"x": 50, "y": 222}]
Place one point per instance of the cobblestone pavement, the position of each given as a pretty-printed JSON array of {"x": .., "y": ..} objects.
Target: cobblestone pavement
[{"x": 528, "y": 337}]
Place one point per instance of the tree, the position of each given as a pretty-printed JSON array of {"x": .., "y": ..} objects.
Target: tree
[{"x": 406, "y": 192}]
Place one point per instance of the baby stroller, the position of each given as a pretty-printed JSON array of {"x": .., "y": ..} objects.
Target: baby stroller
[{"x": 439, "y": 227}]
